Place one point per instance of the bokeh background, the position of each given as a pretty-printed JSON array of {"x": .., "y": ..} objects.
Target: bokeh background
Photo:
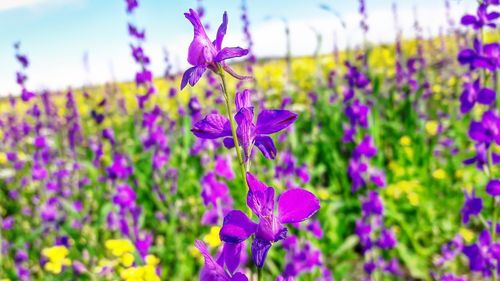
[{"x": 397, "y": 135}]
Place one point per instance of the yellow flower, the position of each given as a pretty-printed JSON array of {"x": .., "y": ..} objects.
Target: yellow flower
[
  {"x": 127, "y": 259},
  {"x": 431, "y": 127},
  {"x": 467, "y": 234},
  {"x": 408, "y": 151},
  {"x": 323, "y": 194},
  {"x": 436, "y": 88},
  {"x": 459, "y": 173},
  {"x": 195, "y": 253},
  {"x": 57, "y": 258},
  {"x": 140, "y": 273},
  {"x": 152, "y": 260},
  {"x": 439, "y": 174},
  {"x": 118, "y": 247},
  {"x": 413, "y": 198},
  {"x": 405, "y": 141},
  {"x": 3, "y": 158},
  {"x": 212, "y": 238}
]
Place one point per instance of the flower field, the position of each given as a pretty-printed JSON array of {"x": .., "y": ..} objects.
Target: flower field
[{"x": 374, "y": 162}]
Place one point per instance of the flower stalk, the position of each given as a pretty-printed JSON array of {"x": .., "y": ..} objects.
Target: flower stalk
[{"x": 229, "y": 110}]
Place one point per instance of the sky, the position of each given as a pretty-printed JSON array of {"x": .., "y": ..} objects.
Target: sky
[{"x": 57, "y": 34}]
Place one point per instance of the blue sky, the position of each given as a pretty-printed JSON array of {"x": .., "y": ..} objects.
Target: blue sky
[{"x": 56, "y": 33}]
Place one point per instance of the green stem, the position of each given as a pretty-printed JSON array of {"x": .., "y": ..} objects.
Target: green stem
[
  {"x": 259, "y": 274},
  {"x": 227, "y": 97}
]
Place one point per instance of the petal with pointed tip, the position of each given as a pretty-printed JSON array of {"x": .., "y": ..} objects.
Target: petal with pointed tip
[
  {"x": 212, "y": 126},
  {"x": 272, "y": 121}
]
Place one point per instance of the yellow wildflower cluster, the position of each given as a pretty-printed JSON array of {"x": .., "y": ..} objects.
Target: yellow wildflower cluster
[
  {"x": 212, "y": 238},
  {"x": 57, "y": 256},
  {"x": 145, "y": 272},
  {"x": 432, "y": 127},
  {"x": 467, "y": 234},
  {"x": 405, "y": 188},
  {"x": 439, "y": 174},
  {"x": 123, "y": 250}
]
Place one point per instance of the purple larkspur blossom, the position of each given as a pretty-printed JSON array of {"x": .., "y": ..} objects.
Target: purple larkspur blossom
[
  {"x": 294, "y": 205},
  {"x": 214, "y": 192},
  {"x": 472, "y": 206},
  {"x": 250, "y": 134},
  {"x": 487, "y": 130},
  {"x": 119, "y": 168},
  {"x": 481, "y": 56},
  {"x": 473, "y": 93},
  {"x": 493, "y": 187},
  {"x": 125, "y": 196},
  {"x": 483, "y": 255},
  {"x": 482, "y": 18},
  {"x": 223, "y": 167},
  {"x": 203, "y": 53}
]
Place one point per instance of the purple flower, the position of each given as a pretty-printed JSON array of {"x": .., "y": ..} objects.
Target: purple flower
[
  {"x": 214, "y": 269},
  {"x": 131, "y": 5},
  {"x": 493, "y": 187},
  {"x": 481, "y": 56},
  {"x": 487, "y": 130},
  {"x": 213, "y": 191},
  {"x": 223, "y": 167},
  {"x": 372, "y": 204},
  {"x": 473, "y": 93},
  {"x": 355, "y": 170},
  {"x": 124, "y": 196},
  {"x": 203, "y": 53},
  {"x": 358, "y": 114},
  {"x": 365, "y": 148},
  {"x": 472, "y": 206},
  {"x": 294, "y": 205},
  {"x": 482, "y": 18},
  {"x": 480, "y": 254},
  {"x": 268, "y": 122},
  {"x": 387, "y": 239},
  {"x": 119, "y": 168}
]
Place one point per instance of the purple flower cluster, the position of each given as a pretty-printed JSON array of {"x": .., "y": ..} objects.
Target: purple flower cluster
[
  {"x": 370, "y": 227},
  {"x": 482, "y": 61}
]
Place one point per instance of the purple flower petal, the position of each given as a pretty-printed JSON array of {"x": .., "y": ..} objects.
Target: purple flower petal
[
  {"x": 192, "y": 75},
  {"x": 468, "y": 20},
  {"x": 266, "y": 146},
  {"x": 228, "y": 143},
  {"x": 260, "y": 248},
  {"x": 237, "y": 227},
  {"x": 201, "y": 50},
  {"x": 242, "y": 99},
  {"x": 272, "y": 121},
  {"x": 229, "y": 53},
  {"x": 232, "y": 254},
  {"x": 239, "y": 277},
  {"x": 486, "y": 96},
  {"x": 260, "y": 198},
  {"x": 296, "y": 205},
  {"x": 231, "y": 72},
  {"x": 246, "y": 129},
  {"x": 213, "y": 126},
  {"x": 221, "y": 32},
  {"x": 493, "y": 187}
]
